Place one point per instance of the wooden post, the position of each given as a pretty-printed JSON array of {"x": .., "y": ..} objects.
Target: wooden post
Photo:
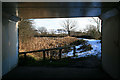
[
  {"x": 25, "y": 56},
  {"x": 43, "y": 54},
  {"x": 50, "y": 56},
  {"x": 47, "y": 54},
  {"x": 60, "y": 52},
  {"x": 74, "y": 50}
]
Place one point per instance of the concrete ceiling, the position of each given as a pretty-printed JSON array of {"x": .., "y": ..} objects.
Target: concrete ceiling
[
  {"x": 30, "y": 10},
  {"x": 62, "y": 9}
]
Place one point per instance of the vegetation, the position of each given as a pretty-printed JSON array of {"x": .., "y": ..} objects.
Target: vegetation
[
  {"x": 38, "y": 43},
  {"x": 31, "y": 61},
  {"x": 26, "y": 29},
  {"x": 92, "y": 31},
  {"x": 28, "y": 42},
  {"x": 42, "y": 30},
  {"x": 85, "y": 47},
  {"x": 98, "y": 22},
  {"x": 69, "y": 25},
  {"x": 54, "y": 54},
  {"x": 78, "y": 42},
  {"x": 51, "y": 34},
  {"x": 82, "y": 62}
]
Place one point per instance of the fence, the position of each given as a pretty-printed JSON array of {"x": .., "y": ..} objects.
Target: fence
[{"x": 44, "y": 51}]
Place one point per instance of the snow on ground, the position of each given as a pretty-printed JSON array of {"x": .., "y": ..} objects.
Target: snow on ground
[{"x": 96, "y": 51}]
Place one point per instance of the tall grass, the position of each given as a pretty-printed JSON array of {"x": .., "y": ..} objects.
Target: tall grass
[{"x": 38, "y": 43}]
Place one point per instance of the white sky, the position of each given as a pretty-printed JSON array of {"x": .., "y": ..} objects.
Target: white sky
[{"x": 54, "y": 23}]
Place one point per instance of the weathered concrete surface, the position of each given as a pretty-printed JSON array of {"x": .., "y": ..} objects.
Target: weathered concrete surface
[
  {"x": 65, "y": 9},
  {"x": 9, "y": 45},
  {"x": 55, "y": 73},
  {"x": 0, "y": 40},
  {"x": 110, "y": 46},
  {"x": 89, "y": 68},
  {"x": 9, "y": 41}
]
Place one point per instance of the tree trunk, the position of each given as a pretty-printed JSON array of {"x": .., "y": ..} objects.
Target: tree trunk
[{"x": 68, "y": 33}]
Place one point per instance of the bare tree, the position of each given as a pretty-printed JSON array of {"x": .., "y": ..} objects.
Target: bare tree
[
  {"x": 52, "y": 31},
  {"x": 26, "y": 29},
  {"x": 98, "y": 21},
  {"x": 42, "y": 30},
  {"x": 26, "y": 32},
  {"x": 69, "y": 25},
  {"x": 92, "y": 31}
]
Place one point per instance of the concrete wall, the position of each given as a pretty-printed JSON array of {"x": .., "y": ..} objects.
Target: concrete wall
[
  {"x": 0, "y": 40},
  {"x": 9, "y": 44},
  {"x": 110, "y": 45}
]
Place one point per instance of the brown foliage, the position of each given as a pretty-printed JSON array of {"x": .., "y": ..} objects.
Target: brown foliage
[{"x": 38, "y": 43}]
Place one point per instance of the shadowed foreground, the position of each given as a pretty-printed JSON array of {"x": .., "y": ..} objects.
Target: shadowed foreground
[
  {"x": 33, "y": 73},
  {"x": 89, "y": 70}
]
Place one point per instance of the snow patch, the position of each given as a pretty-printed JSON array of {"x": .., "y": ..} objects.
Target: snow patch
[{"x": 96, "y": 51}]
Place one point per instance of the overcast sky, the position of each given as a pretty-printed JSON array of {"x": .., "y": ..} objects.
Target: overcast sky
[{"x": 54, "y": 23}]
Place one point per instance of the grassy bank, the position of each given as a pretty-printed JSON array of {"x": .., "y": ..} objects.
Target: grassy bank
[
  {"x": 38, "y": 43},
  {"x": 37, "y": 58}
]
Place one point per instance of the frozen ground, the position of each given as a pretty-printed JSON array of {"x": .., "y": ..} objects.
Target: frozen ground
[{"x": 96, "y": 51}]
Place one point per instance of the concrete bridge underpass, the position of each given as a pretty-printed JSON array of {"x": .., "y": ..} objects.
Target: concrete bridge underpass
[{"x": 13, "y": 12}]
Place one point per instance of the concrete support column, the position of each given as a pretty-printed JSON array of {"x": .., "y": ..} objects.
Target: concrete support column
[
  {"x": 9, "y": 38},
  {"x": 110, "y": 45},
  {"x": 9, "y": 45}
]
